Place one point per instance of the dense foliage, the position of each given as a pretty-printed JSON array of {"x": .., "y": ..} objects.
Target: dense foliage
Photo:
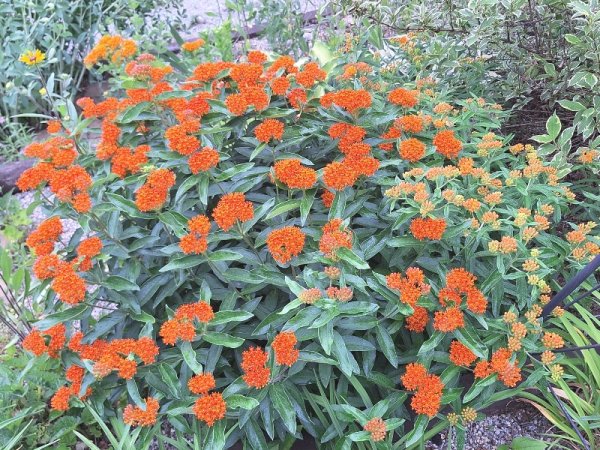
[{"x": 270, "y": 246}]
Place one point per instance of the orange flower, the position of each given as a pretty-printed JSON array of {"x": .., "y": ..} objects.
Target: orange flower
[
  {"x": 195, "y": 242},
  {"x": 236, "y": 104},
  {"x": 280, "y": 85},
  {"x": 42, "y": 240},
  {"x": 446, "y": 144},
  {"x": 335, "y": 236},
  {"x": 327, "y": 198},
  {"x": 403, "y": 97},
  {"x": 460, "y": 354},
  {"x": 232, "y": 207},
  {"x": 427, "y": 399},
  {"x": 256, "y": 57},
  {"x": 409, "y": 124},
  {"x": 342, "y": 294},
  {"x": 210, "y": 408},
  {"x": 392, "y": 133},
  {"x": 254, "y": 361},
  {"x": 449, "y": 320},
  {"x": 60, "y": 399},
  {"x": 34, "y": 342},
  {"x": 338, "y": 176},
  {"x": 153, "y": 194},
  {"x": 200, "y": 311},
  {"x": 69, "y": 286},
  {"x": 295, "y": 176},
  {"x": 310, "y": 74},
  {"x": 269, "y": 129},
  {"x": 111, "y": 48},
  {"x": 418, "y": 320},
  {"x": 285, "y": 243},
  {"x": 482, "y": 370},
  {"x": 134, "y": 416},
  {"x": 412, "y": 149},
  {"x": 376, "y": 427},
  {"x": 552, "y": 341},
  {"x": 283, "y": 346},
  {"x": 54, "y": 126},
  {"x": 192, "y": 46},
  {"x": 348, "y": 99},
  {"x": 411, "y": 287},
  {"x": 202, "y": 383},
  {"x": 203, "y": 160},
  {"x": 297, "y": 98},
  {"x": 173, "y": 329},
  {"x": 426, "y": 228}
]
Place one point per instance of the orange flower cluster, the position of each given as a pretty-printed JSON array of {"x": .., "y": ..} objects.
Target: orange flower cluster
[
  {"x": 135, "y": 416},
  {"x": 69, "y": 286},
  {"x": 338, "y": 176},
  {"x": 283, "y": 346},
  {"x": 69, "y": 182},
  {"x": 231, "y": 208},
  {"x": 460, "y": 354},
  {"x": 428, "y": 388},
  {"x": 285, "y": 243},
  {"x": 256, "y": 373},
  {"x": 203, "y": 160},
  {"x": 353, "y": 69},
  {"x": 411, "y": 287},
  {"x": 182, "y": 326},
  {"x": 508, "y": 372},
  {"x": 129, "y": 161},
  {"x": 403, "y": 97},
  {"x": 376, "y": 427},
  {"x": 201, "y": 384},
  {"x": 418, "y": 320},
  {"x": 115, "y": 355},
  {"x": 43, "y": 239},
  {"x": 348, "y": 99},
  {"x": 60, "y": 399},
  {"x": 342, "y": 294},
  {"x": 180, "y": 137},
  {"x": 335, "y": 236},
  {"x": 447, "y": 144},
  {"x": 35, "y": 341},
  {"x": 294, "y": 175},
  {"x": 153, "y": 194},
  {"x": 195, "y": 241},
  {"x": 86, "y": 250},
  {"x": 210, "y": 407},
  {"x": 310, "y": 74},
  {"x": 409, "y": 124},
  {"x": 269, "y": 129},
  {"x": 459, "y": 283},
  {"x": 111, "y": 48},
  {"x": 192, "y": 46},
  {"x": 412, "y": 149},
  {"x": 427, "y": 228}
]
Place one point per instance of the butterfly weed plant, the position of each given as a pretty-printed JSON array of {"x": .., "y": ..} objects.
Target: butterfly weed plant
[{"x": 271, "y": 247}]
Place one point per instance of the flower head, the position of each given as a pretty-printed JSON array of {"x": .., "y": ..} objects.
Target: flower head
[
  {"x": 231, "y": 208},
  {"x": 32, "y": 57},
  {"x": 285, "y": 243},
  {"x": 283, "y": 346},
  {"x": 136, "y": 416},
  {"x": 210, "y": 407}
]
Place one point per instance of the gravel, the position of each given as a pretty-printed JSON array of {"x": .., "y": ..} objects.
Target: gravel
[{"x": 495, "y": 430}]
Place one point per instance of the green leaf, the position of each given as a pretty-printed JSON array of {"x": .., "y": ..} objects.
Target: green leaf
[
  {"x": 222, "y": 317},
  {"x": 236, "y": 401},
  {"x": 352, "y": 258},
  {"x": 190, "y": 357},
  {"x": 131, "y": 114},
  {"x": 316, "y": 357},
  {"x": 132, "y": 389},
  {"x": 283, "y": 207},
  {"x": 553, "y": 126},
  {"x": 224, "y": 255},
  {"x": 169, "y": 377},
  {"x": 184, "y": 263},
  {"x": 571, "y": 105},
  {"x": 387, "y": 345},
  {"x": 223, "y": 339},
  {"x": 526, "y": 443},
  {"x": 63, "y": 316},
  {"x": 430, "y": 344},
  {"x": 283, "y": 406},
  {"x": 119, "y": 284}
]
